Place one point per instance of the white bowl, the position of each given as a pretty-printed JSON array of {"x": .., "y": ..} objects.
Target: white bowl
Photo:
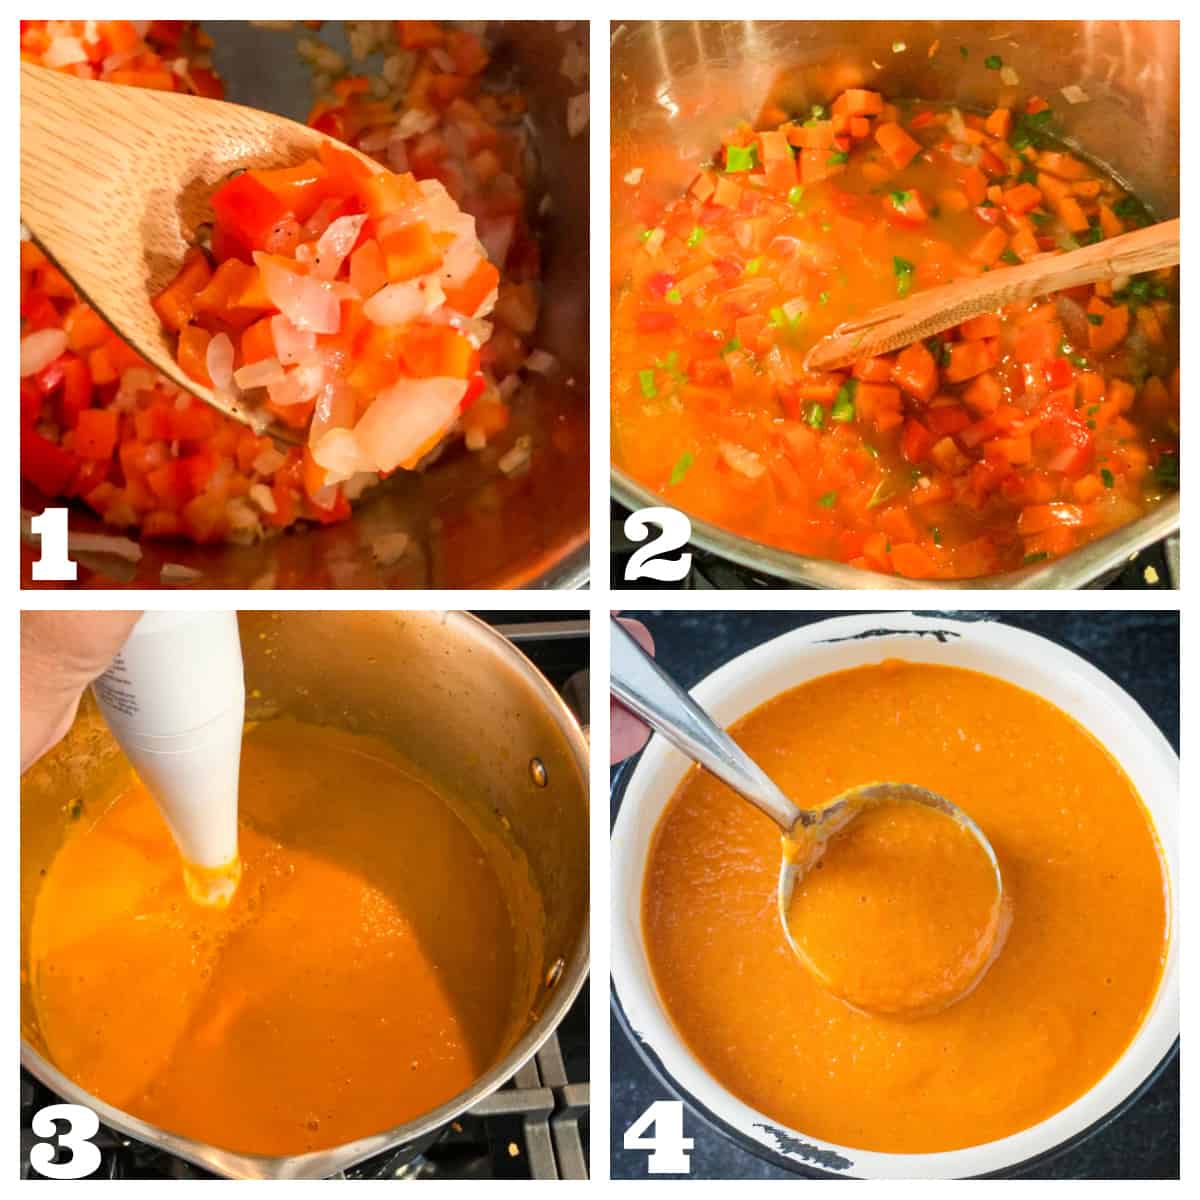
[{"x": 1031, "y": 662}]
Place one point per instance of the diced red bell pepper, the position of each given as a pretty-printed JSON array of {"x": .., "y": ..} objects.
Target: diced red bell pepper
[
  {"x": 45, "y": 464},
  {"x": 96, "y": 434},
  {"x": 248, "y": 209}
]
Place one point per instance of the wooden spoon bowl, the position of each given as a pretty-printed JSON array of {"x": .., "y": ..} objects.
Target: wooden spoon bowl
[{"x": 116, "y": 183}]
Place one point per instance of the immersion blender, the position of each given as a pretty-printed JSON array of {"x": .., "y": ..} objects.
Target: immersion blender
[{"x": 175, "y": 700}]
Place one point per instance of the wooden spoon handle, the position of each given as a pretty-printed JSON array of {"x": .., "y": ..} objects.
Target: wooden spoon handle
[{"x": 906, "y": 321}]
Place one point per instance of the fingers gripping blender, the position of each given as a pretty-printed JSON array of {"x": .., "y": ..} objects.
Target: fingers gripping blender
[{"x": 175, "y": 699}]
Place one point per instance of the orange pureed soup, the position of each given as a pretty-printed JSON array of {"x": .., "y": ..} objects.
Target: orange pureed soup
[
  {"x": 366, "y": 970},
  {"x": 1063, "y": 1000}
]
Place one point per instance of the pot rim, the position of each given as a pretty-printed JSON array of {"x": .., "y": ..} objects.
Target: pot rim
[
  {"x": 1032, "y": 662},
  {"x": 1077, "y": 569},
  {"x": 318, "y": 1164}
]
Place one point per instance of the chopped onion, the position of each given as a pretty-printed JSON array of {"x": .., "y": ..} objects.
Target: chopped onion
[
  {"x": 40, "y": 349},
  {"x": 339, "y": 453},
  {"x": 308, "y": 303},
  {"x": 414, "y": 121},
  {"x": 577, "y": 114},
  {"x": 743, "y": 461},
  {"x": 103, "y": 543},
  {"x": 389, "y": 548},
  {"x": 317, "y": 223},
  {"x": 406, "y": 418},
  {"x": 654, "y": 242},
  {"x": 1008, "y": 76},
  {"x": 310, "y": 379},
  {"x": 395, "y": 304},
  {"x": 219, "y": 361},
  {"x": 284, "y": 237},
  {"x": 517, "y": 458},
  {"x": 1074, "y": 94},
  {"x": 178, "y": 573},
  {"x": 795, "y": 308},
  {"x": 286, "y": 391},
  {"x": 263, "y": 497},
  {"x": 966, "y": 155},
  {"x": 335, "y": 409},
  {"x": 634, "y": 177},
  {"x": 64, "y": 51},
  {"x": 956, "y": 127},
  {"x": 541, "y": 363},
  {"x": 292, "y": 345},
  {"x": 259, "y": 374},
  {"x": 373, "y": 142},
  {"x": 269, "y": 460},
  {"x": 137, "y": 380},
  {"x": 335, "y": 244}
]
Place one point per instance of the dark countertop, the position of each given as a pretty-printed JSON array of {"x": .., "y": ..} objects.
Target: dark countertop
[{"x": 1140, "y": 651}]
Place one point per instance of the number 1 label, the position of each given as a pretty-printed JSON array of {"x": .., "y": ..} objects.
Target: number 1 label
[{"x": 53, "y": 561}]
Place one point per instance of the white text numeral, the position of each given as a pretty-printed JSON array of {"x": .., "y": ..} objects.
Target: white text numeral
[
  {"x": 676, "y": 532},
  {"x": 53, "y": 562},
  {"x": 668, "y": 1147},
  {"x": 82, "y": 1125}
]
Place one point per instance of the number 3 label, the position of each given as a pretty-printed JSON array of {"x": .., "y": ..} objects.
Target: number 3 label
[
  {"x": 668, "y": 1147},
  {"x": 676, "y": 533},
  {"x": 82, "y": 1124}
]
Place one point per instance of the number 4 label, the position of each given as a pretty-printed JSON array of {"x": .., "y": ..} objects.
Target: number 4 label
[
  {"x": 82, "y": 1125},
  {"x": 54, "y": 561},
  {"x": 668, "y": 1147}
]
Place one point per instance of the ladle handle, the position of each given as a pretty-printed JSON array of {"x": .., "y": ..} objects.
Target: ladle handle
[{"x": 642, "y": 686}]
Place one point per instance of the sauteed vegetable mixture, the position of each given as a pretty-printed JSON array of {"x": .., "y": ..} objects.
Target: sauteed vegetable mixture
[
  {"x": 97, "y": 423},
  {"x": 1010, "y": 439}
]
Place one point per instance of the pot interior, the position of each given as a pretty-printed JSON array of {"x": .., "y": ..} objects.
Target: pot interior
[
  {"x": 469, "y": 525},
  {"x": 469, "y": 714},
  {"x": 677, "y": 86}
]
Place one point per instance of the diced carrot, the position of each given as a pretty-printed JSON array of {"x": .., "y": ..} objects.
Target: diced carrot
[
  {"x": 175, "y": 304},
  {"x": 855, "y": 102},
  {"x": 192, "y": 353},
  {"x": 999, "y": 123},
  {"x": 84, "y": 328},
  {"x": 915, "y": 441},
  {"x": 989, "y": 247},
  {"x": 1114, "y": 325},
  {"x": 916, "y": 372},
  {"x": 986, "y": 325},
  {"x": 984, "y": 394},
  {"x": 967, "y": 359},
  {"x": 897, "y": 144},
  {"x": 1110, "y": 224},
  {"x": 1022, "y": 198},
  {"x": 874, "y": 370}
]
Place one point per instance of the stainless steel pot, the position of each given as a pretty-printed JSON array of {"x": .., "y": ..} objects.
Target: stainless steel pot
[
  {"x": 470, "y": 527},
  {"x": 464, "y": 706},
  {"x": 677, "y": 85}
]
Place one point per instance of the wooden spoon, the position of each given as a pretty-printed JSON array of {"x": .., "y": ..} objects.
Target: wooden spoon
[
  {"x": 928, "y": 312},
  {"x": 115, "y": 184}
]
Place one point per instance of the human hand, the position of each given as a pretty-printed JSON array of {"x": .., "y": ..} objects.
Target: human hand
[
  {"x": 627, "y": 734},
  {"x": 61, "y": 653}
]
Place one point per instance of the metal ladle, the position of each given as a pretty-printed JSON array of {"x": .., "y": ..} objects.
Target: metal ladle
[{"x": 642, "y": 686}]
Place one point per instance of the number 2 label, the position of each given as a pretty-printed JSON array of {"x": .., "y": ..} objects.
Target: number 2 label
[
  {"x": 82, "y": 1125},
  {"x": 668, "y": 1147},
  {"x": 676, "y": 532}
]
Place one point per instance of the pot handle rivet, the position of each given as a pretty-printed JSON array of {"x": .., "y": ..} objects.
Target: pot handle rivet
[
  {"x": 537, "y": 772},
  {"x": 555, "y": 973}
]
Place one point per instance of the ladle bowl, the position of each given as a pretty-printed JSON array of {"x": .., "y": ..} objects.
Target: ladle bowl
[{"x": 643, "y": 687}]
